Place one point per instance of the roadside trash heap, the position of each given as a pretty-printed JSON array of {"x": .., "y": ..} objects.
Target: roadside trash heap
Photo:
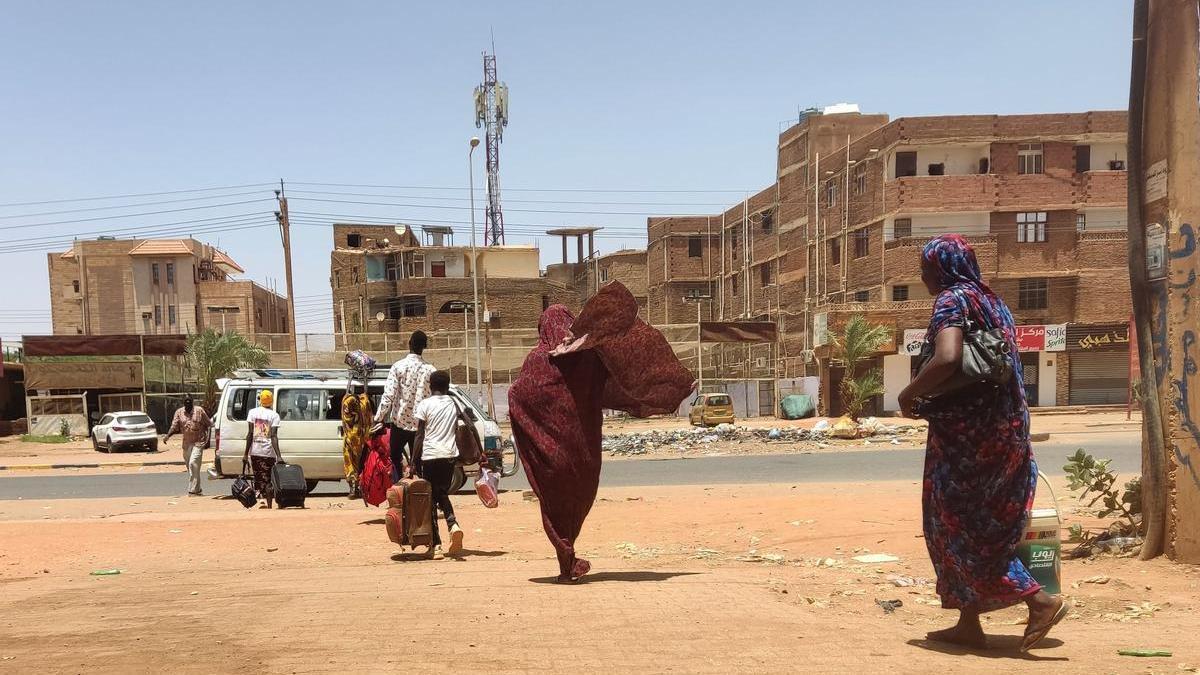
[{"x": 684, "y": 440}]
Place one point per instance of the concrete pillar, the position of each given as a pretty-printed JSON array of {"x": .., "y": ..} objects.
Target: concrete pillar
[
  {"x": 591, "y": 244},
  {"x": 579, "y": 246},
  {"x": 1047, "y": 379},
  {"x": 564, "y": 244}
]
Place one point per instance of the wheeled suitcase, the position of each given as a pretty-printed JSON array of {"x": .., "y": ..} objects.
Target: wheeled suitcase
[
  {"x": 409, "y": 517},
  {"x": 289, "y": 485}
]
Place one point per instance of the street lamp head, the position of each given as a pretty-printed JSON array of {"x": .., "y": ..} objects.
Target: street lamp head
[{"x": 474, "y": 141}]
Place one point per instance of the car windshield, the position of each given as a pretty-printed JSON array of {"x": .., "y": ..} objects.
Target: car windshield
[
  {"x": 718, "y": 400},
  {"x": 133, "y": 419}
]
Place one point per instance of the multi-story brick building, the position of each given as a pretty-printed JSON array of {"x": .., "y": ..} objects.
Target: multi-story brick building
[
  {"x": 1041, "y": 197},
  {"x": 156, "y": 287},
  {"x": 385, "y": 280}
]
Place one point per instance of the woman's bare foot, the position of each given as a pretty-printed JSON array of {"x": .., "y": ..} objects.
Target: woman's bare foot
[
  {"x": 1045, "y": 611},
  {"x": 965, "y": 635}
]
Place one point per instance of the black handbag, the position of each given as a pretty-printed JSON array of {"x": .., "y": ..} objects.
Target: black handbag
[
  {"x": 986, "y": 357},
  {"x": 243, "y": 489}
]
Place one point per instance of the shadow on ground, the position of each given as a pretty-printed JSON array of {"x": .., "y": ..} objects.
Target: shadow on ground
[
  {"x": 629, "y": 577},
  {"x": 999, "y": 647}
]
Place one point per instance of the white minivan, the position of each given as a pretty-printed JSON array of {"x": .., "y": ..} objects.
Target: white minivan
[{"x": 309, "y": 403}]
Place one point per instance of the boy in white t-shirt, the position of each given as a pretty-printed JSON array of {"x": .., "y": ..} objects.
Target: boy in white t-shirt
[
  {"x": 262, "y": 445},
  {"x": 437, "y": 418}
]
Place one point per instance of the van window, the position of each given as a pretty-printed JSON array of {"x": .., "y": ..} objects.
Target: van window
[
  {"x": 719, "y": 400},
  {"x": 241, "y": 402},
  {"x": 300, "y": 405}
]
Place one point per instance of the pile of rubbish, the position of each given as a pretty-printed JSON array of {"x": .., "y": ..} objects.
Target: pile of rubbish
[{"x": 683, "y": 440}]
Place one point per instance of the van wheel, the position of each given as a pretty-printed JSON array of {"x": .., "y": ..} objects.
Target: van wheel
[
  {"x": 310, "y": 485},
  {"x": 458, "y": 480}
]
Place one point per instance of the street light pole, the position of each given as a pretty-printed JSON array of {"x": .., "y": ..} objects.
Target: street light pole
[{"x": 474, "y": 260}]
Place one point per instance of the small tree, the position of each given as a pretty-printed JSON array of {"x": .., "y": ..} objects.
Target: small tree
[
  {"x": 858, "y": 341},
  {"x": 213, "y": 355}
]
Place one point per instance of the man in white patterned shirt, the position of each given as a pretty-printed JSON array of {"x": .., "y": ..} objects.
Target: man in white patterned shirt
[{"x": 407, "y": 385}]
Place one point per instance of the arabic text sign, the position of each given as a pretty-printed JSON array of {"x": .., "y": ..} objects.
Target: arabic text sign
[
  {"x": 1098, "y": 338},
  {"x": 1031, "y": 338}
]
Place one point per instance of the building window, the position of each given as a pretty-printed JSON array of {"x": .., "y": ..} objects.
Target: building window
[
  {"x": 835, "y": 251},
  {"x": 902, "y": 228},
  {"x": 768, "y": 220},
  {"x": 733, "y": 247},
  {"x": 437, "y": 268},
  {"x": 900, "y": 293},
  {"x": 170, "y": 274},
  {"x": 1080, "y": 222},
  {"x": 696, "y": 247},
  {"x": 171, "y": 315},
  {"x": 1032, "y": 294},
  {"x": 158, "y": 315},
  {"x": 603, "y": 274},
  {"x": 765, "y": 273},
  {"x": 391, "y": 270},
  {"x": 413, "y": 305},
  {"x": 154, "y": 273},
  {"x": 75, "y": 285},
  {"x": 906, "y": 164},
  {"x": 862, "y": 296},
  {"x": 862, "y": 242},
  {"x": 831, "y": 193},
  {"x": 258, "y": 314},
  {"x": 1029, "y": 158},
  {"x": 354, "y": 276},
  {"x": 416, "y": 266},
  {"x": 337, "y": 278},
  {"x": 860, "y": 178},
  {"x": 1031, "y": 227},
  {"x": 1083, "y": 158},
  {"x": 354, "y": 240},
  {"x": 734, "y": 284}
]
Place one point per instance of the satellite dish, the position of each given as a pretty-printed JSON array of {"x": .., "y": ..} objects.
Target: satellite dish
[{"x": 380, "y": 316}]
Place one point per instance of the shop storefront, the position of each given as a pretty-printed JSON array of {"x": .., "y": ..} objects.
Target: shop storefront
[{"x": 1099, "y": 370}]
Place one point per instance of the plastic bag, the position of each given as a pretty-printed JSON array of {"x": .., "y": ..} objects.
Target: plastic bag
[{"x": 487, "y": 486}]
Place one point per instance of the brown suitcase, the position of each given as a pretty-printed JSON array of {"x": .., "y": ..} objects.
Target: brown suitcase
[{"x": 409, "y": 516}]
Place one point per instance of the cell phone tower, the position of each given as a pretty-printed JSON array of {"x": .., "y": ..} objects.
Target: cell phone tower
[{"x": 491, "y": 112}]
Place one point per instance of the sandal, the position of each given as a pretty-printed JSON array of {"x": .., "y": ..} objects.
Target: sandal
[{"x": 1035, "y": 634}]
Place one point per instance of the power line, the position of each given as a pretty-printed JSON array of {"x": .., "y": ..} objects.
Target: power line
[
  {"x": 129, "y": 206},
  {"x": 134, "y": 215},
  {"x": 130, "y": 196},
  {"x": 510, "y": 189}
]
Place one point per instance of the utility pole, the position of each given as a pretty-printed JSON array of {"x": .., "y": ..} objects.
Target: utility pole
[
  {"x": 285, "y": 232},
  {"x": 487, "y": 333},
  {"x": 699, "y": 300},
  {"x": 1164, "y": 210}
]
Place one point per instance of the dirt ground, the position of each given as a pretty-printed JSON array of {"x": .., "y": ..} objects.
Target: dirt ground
[{"x": 691, "y": 579}]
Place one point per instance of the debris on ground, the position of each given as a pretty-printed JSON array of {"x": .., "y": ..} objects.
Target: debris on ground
[
  {"x": 903, "y": 581},
  {"x": 528, "y": 496},
  {"x": 889, "y": 606},
  {"x": 1145, "y": 652},
  {"x": 700, "y": 439},
  {"x": 874, "y": 558},
  {"x": 1134, "y": 612},
  {"x": 105, "y": 573}
]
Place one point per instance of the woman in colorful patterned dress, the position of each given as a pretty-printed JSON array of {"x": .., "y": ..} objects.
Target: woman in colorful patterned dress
[
  {"x": 604, "y": 358},
  {"x": 980, "y": 474}
]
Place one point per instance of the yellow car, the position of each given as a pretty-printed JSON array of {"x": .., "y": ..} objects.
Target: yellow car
[{"x": 711, "y": 410}]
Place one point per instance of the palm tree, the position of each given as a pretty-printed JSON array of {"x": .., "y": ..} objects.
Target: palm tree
[
  {"x": 213, "y": 355},
  {"x": 859, "y": 341}
]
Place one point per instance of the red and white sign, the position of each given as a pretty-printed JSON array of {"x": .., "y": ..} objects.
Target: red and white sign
[{"x": 1052, "y": 338}]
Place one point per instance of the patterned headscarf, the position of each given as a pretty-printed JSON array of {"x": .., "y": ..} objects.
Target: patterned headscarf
[
  {"x": 954, "y": 260},
  {"x": 553, "y": 326}
]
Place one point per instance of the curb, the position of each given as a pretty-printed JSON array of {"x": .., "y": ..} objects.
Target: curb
[
  {"x": 1039, "y": 438},
  {"x": 122, "y": 465}
]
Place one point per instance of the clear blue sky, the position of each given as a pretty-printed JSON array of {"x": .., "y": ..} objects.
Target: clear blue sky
[{"x": 117, "y": 98}]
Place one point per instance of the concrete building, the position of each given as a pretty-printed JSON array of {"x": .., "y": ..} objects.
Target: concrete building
[
  {"x": 156, "y": 287},
  {"x": 1041, "y": 197},
  {"x": 387, "y": 280}
]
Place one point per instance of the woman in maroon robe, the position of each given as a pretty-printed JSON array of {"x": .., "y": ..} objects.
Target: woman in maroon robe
[{"x": 605, "y": 358}]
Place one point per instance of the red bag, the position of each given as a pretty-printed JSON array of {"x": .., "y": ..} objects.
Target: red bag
[{"x": 376, "y": 476}]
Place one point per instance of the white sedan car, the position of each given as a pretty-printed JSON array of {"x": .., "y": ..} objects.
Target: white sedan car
[{"x": 124, "y": 430}]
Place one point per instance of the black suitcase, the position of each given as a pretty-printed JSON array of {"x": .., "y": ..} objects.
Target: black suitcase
[{"x": 288, "y": 481}]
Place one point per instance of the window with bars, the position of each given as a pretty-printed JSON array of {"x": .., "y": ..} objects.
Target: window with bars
[
  {"x": 900, "y": 293},
  {"x": 1033, "y": 294},
  {"x": 764, "y": 272},
  {"x": 862, "y": 296},
  {"x": 1080, "y": 222},
  {"x": 171, "y": 315},
  {"x": 1029, "y": 158},
  {"x": 158, "y": 315},
  {"x": 170, "y": 274},
  {"x": 835, "y": 251},
  {"x": 1031, "y": 227},
  {"x": 862, "y": 242},
  {"x": 860, "y": 179},
  {"x": 768, "y": 220},
  {"x": 902, "y": 228},
  {"x": 695, "y": 247},
  {"x": 154, "y": 273}
]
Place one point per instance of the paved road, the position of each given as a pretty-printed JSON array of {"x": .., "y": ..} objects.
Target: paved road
[{"x": 864, "y": 465}]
